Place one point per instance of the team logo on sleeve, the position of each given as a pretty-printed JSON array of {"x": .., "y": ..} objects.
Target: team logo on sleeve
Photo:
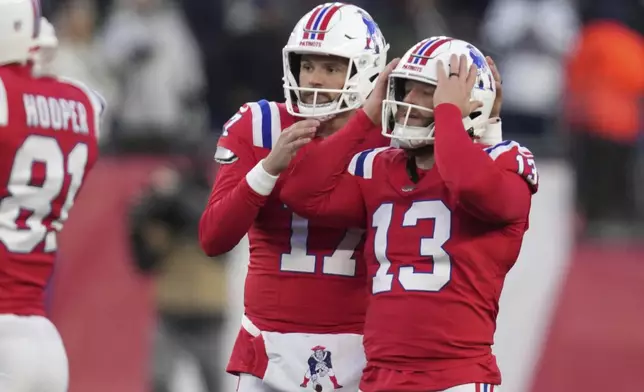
[{"x": 319, "y": 366}]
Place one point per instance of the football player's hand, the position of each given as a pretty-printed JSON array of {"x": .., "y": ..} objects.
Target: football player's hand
[
  {"x": 373, "y": 105},
  {"x": 496, "y": 108},
  {"x": 456, "y": 87},
  {"x": 289, "y": 142}
]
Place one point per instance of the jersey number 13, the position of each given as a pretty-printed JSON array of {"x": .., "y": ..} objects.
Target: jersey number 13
[{"x": 430, "y": 246}]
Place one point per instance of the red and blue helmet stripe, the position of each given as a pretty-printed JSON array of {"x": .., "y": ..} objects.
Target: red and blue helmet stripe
[
  {"x": 318, "y": 22},
  {"x": 423, "y": 51}
]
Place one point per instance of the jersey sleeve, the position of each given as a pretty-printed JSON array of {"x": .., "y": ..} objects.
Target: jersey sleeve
[
  {"x": 321, "y": 187},
  {"x": 495, "y": 184},
  {"x": 241, "y": 187}
]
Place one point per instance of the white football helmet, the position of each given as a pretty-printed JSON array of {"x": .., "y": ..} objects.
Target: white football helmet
[
  {"x": 334, "y": 29},
  {"x": 46, "y": 45},
  {"x": 420, "y": 64},
  {"x": 19, "y": 26}
]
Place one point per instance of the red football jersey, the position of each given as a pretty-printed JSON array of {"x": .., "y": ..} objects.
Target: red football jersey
[
  {"x": 303, "y": 275},
  {"x": 438, "y": 249},
  {"x": 48, "y": 144}
]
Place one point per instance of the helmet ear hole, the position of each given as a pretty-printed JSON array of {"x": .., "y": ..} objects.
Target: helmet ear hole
[
  {"x": 392, "y": 121},
  {"x": 353, "y": 70},
  {"x": 399, "y": 89},
  {"x": 295, "y": 61}
]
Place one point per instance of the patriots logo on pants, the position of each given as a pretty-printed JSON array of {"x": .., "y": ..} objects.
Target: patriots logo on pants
[{"x": 320, "y": 366}]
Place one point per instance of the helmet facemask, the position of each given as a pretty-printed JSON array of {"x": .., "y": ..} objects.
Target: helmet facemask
[
  {"x": 347, "y": 98},
  {"x": 339, "y": 30},
  {"x": 396, "y": 115}
]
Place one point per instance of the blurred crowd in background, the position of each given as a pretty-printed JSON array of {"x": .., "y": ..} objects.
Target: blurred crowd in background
[{"x": 173, "y": 72}]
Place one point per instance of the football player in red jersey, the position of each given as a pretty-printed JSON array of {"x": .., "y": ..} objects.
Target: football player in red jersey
[
  {"x": 445, "y": 218},
  {"x": 305, "y": 293},
  {"x": 49, "y": 131}
]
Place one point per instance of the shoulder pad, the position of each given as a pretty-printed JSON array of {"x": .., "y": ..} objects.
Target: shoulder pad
[
  {"x": 265, "y": 122},
  {"x": 96, "y": 99},
  {"x": 224, "y": 156},
  {"x": 512, "y": 156},
  {"x": 362, "y": 163}
]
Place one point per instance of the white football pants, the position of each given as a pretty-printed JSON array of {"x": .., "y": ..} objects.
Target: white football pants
[
  {"x": 250, "y": 383},
  {"x": 32, "y": 355}
]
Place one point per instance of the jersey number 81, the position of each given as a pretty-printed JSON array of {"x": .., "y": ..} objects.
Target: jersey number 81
[{"x": 28, "y": 215}]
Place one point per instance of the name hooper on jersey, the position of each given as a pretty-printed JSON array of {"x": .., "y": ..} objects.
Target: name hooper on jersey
[{"x": 55, "y": 113}]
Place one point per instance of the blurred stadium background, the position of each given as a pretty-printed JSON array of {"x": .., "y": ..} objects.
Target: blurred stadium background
[{"x": 140, "y": 309}]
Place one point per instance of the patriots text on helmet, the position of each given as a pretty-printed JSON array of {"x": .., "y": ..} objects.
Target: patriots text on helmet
[
  {"x": 315, "y": 44},
  {"x": 412, "y": 68}
]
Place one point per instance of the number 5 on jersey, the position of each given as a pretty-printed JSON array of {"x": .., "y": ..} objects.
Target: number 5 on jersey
[{"x": 40, "y": 196}]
